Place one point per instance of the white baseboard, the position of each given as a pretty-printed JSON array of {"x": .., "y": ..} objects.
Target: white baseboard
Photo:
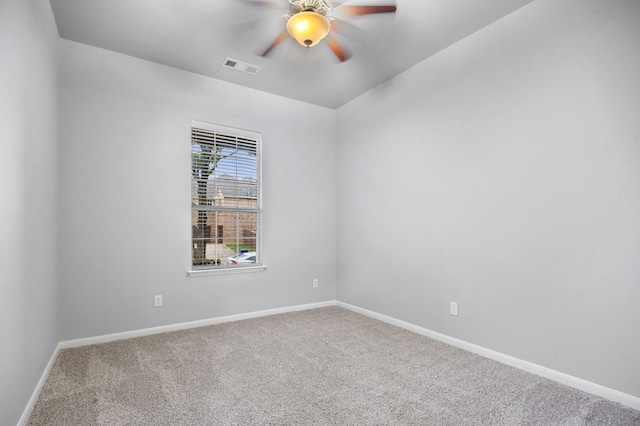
[
  {"x": 24, "y": 419},
  {"x": 574, "y": 382},
  {"x": 186, "y": 325}
]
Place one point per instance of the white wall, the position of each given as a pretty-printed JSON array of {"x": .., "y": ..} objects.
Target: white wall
[
  {"x": 28, "y": 321},
  {"x": 125, "y": 195},
  {"x": 504, "y": 174}
]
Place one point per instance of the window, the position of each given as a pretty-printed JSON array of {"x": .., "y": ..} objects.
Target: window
[{"x": 226, "y": 200}]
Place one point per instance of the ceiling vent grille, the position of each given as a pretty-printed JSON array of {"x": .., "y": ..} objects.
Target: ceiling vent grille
[{"x": 240, "y": 66}]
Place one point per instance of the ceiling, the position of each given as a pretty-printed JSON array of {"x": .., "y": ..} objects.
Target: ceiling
[{"x": 197, "y": 36}]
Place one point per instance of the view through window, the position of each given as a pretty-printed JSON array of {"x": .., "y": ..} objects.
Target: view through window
[{"x": 225, "y": 197}]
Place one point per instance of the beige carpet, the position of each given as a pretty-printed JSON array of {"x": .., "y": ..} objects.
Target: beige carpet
[{"x": 325, "y": 366}]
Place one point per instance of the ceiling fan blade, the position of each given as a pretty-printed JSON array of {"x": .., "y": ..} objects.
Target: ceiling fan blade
[
  {"x": 282, "y": 37},
  {"x": 364, "y": 10},
  {"x": 354, "y": 33},
  {"x": 337, "y": 48}
]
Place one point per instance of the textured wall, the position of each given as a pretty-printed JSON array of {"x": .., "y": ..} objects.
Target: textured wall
[
  {"x": 28, "y": 321},
  {"x": 125, "y": 222},
  {"x": 504, "y": 174}
]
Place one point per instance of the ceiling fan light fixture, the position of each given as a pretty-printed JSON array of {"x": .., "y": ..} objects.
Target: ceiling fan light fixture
[{"x": 308, "y": 27}]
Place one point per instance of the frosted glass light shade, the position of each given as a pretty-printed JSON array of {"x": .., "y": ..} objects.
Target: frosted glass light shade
[{"x": 308, "y": 28}]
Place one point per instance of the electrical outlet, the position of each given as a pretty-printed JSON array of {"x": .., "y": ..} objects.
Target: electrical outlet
[
  {"x": 453, "y": 308},
  {"x": 315, "y": 283},
  {"x": 157, "y": 300}
]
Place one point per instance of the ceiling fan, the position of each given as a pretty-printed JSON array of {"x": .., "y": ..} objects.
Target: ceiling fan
[{"x": 311, "y": 21}]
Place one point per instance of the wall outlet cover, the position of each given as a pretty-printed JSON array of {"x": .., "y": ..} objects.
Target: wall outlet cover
[{"x": 157, "y": 300}]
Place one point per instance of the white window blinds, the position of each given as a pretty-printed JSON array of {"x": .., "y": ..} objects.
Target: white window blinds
[{"x": 225, "y": 197}]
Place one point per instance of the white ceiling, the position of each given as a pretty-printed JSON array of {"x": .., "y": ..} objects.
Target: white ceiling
[{"x": 197, "y": 35}]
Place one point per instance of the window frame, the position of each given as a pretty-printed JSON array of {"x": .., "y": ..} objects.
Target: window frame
[{"x": 258, "y": 266}]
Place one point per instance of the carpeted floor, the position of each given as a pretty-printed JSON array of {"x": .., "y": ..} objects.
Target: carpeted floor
[{"x": 325, "y": 366}]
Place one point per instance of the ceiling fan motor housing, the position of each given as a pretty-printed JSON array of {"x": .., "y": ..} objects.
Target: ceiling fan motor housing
[{"x": 318, "y": 6}]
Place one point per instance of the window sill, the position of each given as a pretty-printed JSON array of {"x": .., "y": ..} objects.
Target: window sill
[{"x": 223, "y": 271}]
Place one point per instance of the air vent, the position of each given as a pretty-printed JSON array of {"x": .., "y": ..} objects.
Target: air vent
[{"x": 240, "y": 66}]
